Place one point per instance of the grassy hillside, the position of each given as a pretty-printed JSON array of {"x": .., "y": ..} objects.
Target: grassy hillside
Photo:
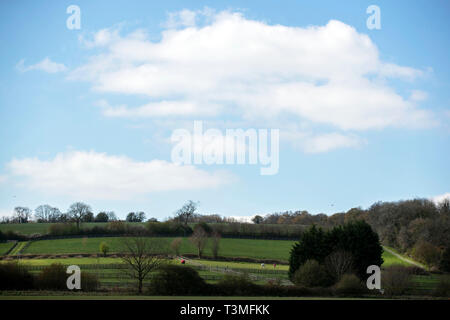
[
  {"x": 250, "y": 248},
  {"x": 258, "y": 249},
  {"x": 5, "y": 246}
]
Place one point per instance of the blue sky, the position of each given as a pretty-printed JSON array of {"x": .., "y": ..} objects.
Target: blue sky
[{"x": 87, "y": 114}]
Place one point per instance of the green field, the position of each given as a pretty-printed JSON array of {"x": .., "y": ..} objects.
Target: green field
[
  {"x": 245, "y": 248},
  {"x": 5, "y": 246},
  {"x": 250, "y": 248},
  {"x": 389, "y": 259}
]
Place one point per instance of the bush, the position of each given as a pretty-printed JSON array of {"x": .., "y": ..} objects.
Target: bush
[
  {"x": 349, "y": 284},
  {"x": 14, "y": 276},
  {"x": 89, "y": 282},
  {"x": 443, "y": 287},
  {"x": 117, "y": 227},
  {"x": 104, "y": 248},
  {"x": 312, "y": 274},
  {"x": 177, "y": 280},
  {"x": 237, "y": 285},
  {"x": 427, "y": 253},
  {"x": 168, "y": 229},
  {"x": 62, "y": 229},
  {"x": 52, "y": 277},
  {"x": 395, "y": 280},
  {"x": 417, "y": 271},
  {"x": 204, "y": 226}
]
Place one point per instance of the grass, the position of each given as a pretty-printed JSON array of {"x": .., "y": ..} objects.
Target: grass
[
  {"x": 250, "y": 248},
  {"x": 241, "y": 265},
  {"x": 5, "y": 246},
  {"x": 20, "y": 245},
  {"x": 389, "y": 260}
]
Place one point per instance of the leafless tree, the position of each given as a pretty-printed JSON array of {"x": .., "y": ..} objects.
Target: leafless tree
[
  {"x": 215, "y": 237},
  {"x": 175, "y": 245},
  {"x": 187, "y": 211},
  {"x": 46, "y": 213},
  {"x": 339, "y": 263},
  {"x": 142, "y": 255},
  {"x": 78, "y": 211},
  {"x": 199, "y": 239},
  {"x": 22, "y": 214}
]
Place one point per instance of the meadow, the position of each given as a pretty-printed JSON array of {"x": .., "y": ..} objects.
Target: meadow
[{"x": 248, "y": 248}]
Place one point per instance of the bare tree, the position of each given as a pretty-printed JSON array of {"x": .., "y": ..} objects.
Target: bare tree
[
  {"x": 215, "y": 243},
  {"x": 199, "y": 239},
  {"x": 187, "y": 211},
  {"x": 46, "y": 213},
  {"x": 78, "y": 211},
  {"x": 111, "y": 216},
  {"x": 175, "y": 245},
  {"x": 339, "y": 263},
  {"x": 142, "y": 256},
  {"x": 22, "y": 214}
]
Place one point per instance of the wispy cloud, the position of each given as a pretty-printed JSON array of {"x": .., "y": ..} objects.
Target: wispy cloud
[
  {"x": 95, "y": 175},
  {"x": 45, "y": 65}
]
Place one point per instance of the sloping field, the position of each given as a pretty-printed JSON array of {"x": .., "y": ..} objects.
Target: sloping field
[
  {"x": 5, "y": 246},
  {"x": 250, "y": 248}
]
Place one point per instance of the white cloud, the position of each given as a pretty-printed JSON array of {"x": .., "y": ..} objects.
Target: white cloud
[
  {"x": 244, "y": 219},
  {"x": 331, "y": 141},
  {"x": 95, "y": 175},
  {"x": 155, "y": 109},
  {"x": 223, "y": 65},
  {"x": 45, "y": 65},
  {"x": 438, "y": 199},
  {"x": 310, "y": 142}
]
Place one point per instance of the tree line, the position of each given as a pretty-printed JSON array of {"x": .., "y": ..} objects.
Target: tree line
[{"x": 78, "y": 212}]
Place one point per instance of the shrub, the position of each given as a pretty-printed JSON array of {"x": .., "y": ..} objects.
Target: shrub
[
  {"x": 443, "y": 287},
  {"x": 62, "y": 229},
  {"x": 52, "y": 277},
  {"x": 14, "y": 276},
  {"x": 89, "y": 282},
  {"x": 177, "y": 280},
  {"x": 104, "y": 248},
  {"x": 338, "y": 263},
  {"x": 418, "y": 271},
  {"x": 237, "y": 285},
  {"x": 204, "y": 226},
  {"x": 117, "y": 227},
  {"x": 312, "y": 274},
  {"x": 349, "y": 284},
  {"x": 168, "y": 229},
  {"x": 395, "y": 280},
  {"x": 427, "y": 253}
]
